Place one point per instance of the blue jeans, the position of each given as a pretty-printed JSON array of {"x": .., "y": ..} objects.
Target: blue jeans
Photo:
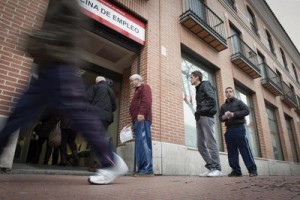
[
  {"x": 143, "y": 148},
  {"x": 59, "y": 88},
  {"x": 236, "y": 142}
]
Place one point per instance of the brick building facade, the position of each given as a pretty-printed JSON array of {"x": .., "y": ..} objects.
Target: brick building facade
[{"x": 234, "y": 43}]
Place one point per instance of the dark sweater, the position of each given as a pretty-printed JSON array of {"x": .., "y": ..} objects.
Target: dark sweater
[
  {"x": 141, "y": 103},
  {"x": 238, "y": 107}
]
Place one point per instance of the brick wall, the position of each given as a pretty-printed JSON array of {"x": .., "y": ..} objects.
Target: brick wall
[
  {"x": 17, "y": 17},
  {"x": 161, "y": 71}
]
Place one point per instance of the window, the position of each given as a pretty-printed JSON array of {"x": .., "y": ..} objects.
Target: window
[
  {"x": 261, "y": 64},
  {"x": 189, "y": 102},
  {"x": 251, "y": 129},
  {"x": 291, "y": 94},
  {"x": 284, "y": 59},
  {"x": 270, "y": 41},
  {"x": 231, "y": 3},
  {"x": 276, "y": 142},
  {"x": 295, "y": 73},
  {"x": 289, "y": 122},
  {"x": 279, "y": 79},
  {"x": 279, "y": 75},
  {"x": 199, "y": 9},
  {"x": 252, "y": 21},
  {"x": 235, "y": 39}
]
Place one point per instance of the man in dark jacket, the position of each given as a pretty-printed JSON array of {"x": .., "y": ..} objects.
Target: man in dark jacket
[
  {"x": 204, "y": 115},
  {"x": 141, "y": 115},
  {"x": 102, "y": 97},
  {"x": 233, "y": 113},
  {"x": 103, "y": 100},
  {"x": 53, "y": 48}
]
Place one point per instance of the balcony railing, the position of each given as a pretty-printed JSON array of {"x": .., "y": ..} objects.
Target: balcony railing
[
  {"x": 298, "y": 105},
  {"x": 288, "y": 96},
  {"x": 203, "y": 22},
  {"x": 270, "y": 80},
  {"x": 244, "y": 57}
]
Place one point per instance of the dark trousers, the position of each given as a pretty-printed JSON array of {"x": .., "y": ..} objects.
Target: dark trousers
[
  {"x": 236, "y": 142},
  {"x": 58, "y": 87},
  {"x": 143, "y": 147},
  {"x": 48, "y": 152},
  {"x": 93, "y": 160},
  {"x": 68, "y": 137}
]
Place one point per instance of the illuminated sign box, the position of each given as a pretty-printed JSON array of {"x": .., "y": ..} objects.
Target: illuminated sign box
[{"x": 115, "y": 18}]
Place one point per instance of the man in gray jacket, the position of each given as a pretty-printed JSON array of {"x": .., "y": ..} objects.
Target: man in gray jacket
[{"x": 204, "y": 115}]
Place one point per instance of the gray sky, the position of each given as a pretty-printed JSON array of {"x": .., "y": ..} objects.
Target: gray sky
[{"x": 288, "y": 14}]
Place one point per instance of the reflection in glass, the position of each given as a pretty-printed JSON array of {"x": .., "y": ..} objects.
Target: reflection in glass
[
  {"x": 289, "y": 122},
  {"x": 250, "y": 125},
  {"x": 274, "y": 133}
]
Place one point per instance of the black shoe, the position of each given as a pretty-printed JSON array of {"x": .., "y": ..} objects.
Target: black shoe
[
  {"x": 4, "y": 170},
  {"x": 252, "y": 174},
  {"x": 234, "y": 174},
  {"x": 63, "y": 164},
  {"x": 75, "y": 162}
]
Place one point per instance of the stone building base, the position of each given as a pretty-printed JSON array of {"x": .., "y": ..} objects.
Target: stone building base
[
  {"x": 7, "y": 157},
  {"x": 172, "y": 159}
]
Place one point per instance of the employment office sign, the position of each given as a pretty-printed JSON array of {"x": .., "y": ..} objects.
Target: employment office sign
[{"x": 115, "y": 18}]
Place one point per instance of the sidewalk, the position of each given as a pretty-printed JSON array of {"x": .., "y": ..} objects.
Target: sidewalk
[{"x": 67, "y": 187}]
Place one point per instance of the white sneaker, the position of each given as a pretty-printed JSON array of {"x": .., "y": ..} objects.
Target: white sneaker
[
  {"x": 205, "y": 173},
  {"x": 214, "y": 173},
  {"x": 108, "y": 175}
]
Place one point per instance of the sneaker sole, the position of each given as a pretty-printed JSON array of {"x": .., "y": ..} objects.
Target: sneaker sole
[
  {"x": 100, "y": 182},
  {"x": 216, "y": 176}
]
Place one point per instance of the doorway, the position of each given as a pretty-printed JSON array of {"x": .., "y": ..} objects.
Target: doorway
[{"x": 103, "y": 58}]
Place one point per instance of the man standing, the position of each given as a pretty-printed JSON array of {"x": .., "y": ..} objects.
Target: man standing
[
  {"x": 102, "y": 97},
  {"x": 204, "y": 115},
  {"x": 233, "y": 113},
  {"x": 141, "y": 115},
  {"x": 57, "y": 86}
]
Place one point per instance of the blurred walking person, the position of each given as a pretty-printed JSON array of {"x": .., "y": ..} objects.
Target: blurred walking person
[{"x": 53, "y": 48}]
